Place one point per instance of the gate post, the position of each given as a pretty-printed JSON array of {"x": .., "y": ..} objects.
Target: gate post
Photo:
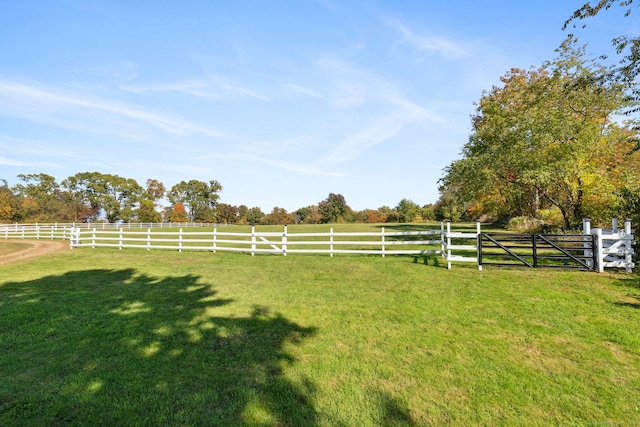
[
  {"x": 588, "y": 254},
  {"x": 479, "y": 251},
  {"x": 599, "y": 250}
]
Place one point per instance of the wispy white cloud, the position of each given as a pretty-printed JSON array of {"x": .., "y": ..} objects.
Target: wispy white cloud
[
  {"x": 5, "y": 161},
  {"x": 68, "y": 109},
  {"x": 427, "y": 45},
  {"x": 199, "y": 88},
  {"x": 302, "y": 90},
  {"x": 215, "y": 89}
]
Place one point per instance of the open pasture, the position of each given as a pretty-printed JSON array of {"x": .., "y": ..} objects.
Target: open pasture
[{"x": 113, "y": 337}]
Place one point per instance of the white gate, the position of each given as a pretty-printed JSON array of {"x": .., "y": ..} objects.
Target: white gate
[{"x": 614, "y": 247}]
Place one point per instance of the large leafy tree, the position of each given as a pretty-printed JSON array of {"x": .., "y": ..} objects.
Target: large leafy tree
[
  {"x": 115, "y": 195},
  {"x": 199, "y": 197},
  {"x": 407, "y": 210},
  {"x": 548, "y": 137},
  {"x": 333, "y": 209}
]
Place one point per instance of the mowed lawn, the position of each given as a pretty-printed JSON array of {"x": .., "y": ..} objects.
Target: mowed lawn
[{"x": 130, "y": 337}]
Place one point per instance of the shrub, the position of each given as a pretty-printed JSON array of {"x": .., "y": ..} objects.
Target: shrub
[{"x": 525, "y": 224}]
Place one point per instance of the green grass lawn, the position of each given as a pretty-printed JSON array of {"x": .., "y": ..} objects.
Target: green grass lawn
[{"x": 109, "y": 337}]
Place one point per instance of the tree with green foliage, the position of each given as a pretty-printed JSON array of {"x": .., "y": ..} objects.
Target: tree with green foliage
[
  {"x": 547, "y": 137},
  {"x": 407, "y": 210},
  {"x": 199, "y": 197},
  {"x": 113, "y": 194},
  {"x": 146, "y": 212},
  {"x": 333, "y": 209},
  {"x": 41, "y": 192},
  {"x": 254, "y": 216}
]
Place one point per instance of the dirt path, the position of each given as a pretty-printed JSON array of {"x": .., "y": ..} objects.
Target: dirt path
[{"x": 36, "y": 248}]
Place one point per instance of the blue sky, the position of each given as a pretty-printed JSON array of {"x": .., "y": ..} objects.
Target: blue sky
[{"x": 282, "y": 102}]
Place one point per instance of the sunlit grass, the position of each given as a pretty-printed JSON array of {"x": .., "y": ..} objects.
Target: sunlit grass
[{"x": 109, "y": 337}]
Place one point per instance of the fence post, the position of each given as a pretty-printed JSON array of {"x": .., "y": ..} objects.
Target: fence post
[
  {"x": 599, "y": 250},
  {"x": 253, "y": 240},
  {"x": 628, "y": 251},
  {"x": 93, "y": 239},
  {"x": 215, "y": 238},
  {"x": 37, "y": 231},
  {"x": 442, "y": 241},
  {"x": 120, "y": 240},
  {"x": 284, "y": 241},
  {"x": 382, "y": 242},
  {"x": 148, "y": 239},
  {"x": 448, "y": 245},
  {"x": 479, "y": 239},
  {"x": 614, "y": 225},
  {"x": 478, "y": 244},
  {"x": 180, "y": 240},
  {"x": 331, "y": 242},
  {"x": 534, "y": 249}
]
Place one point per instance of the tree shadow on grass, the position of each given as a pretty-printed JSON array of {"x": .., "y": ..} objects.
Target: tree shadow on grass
[{"x": 113, "y": 347}]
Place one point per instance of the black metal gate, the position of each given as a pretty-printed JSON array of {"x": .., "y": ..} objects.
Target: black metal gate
[{"x": 575, "y": 251}]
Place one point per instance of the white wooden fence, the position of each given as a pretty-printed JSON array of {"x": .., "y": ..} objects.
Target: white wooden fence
[
  {"x": 614, "y": 246},
  {"x": 283, "y": 242}
]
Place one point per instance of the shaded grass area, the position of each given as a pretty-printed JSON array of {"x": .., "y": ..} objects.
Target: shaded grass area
[{"x": 108, "y": 337}]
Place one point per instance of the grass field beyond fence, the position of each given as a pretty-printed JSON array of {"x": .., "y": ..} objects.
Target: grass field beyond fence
[{"x": 109, "y": 337}]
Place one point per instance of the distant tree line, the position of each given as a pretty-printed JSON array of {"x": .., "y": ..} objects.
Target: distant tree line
[{"x": 94, "y": 196}]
